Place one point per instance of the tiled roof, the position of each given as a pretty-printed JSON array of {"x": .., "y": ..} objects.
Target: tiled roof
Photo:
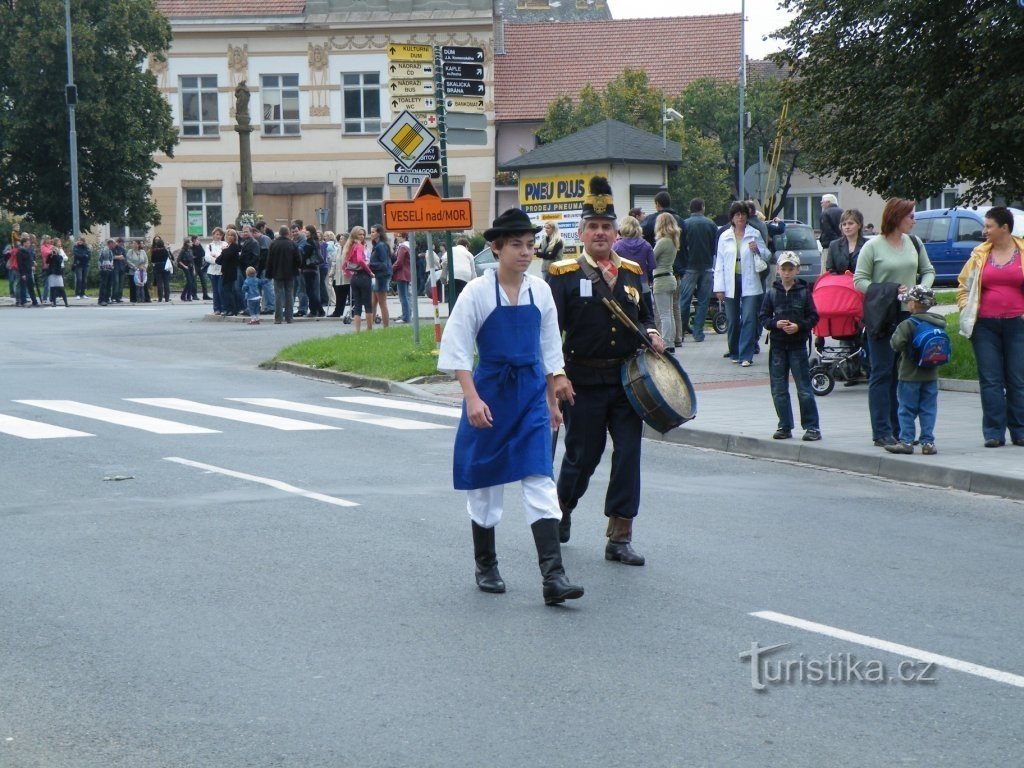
[
  {"x": 544, "y": 61},
  {"x": 608, "y": 141},
  {"x": 220, "y": 9}
]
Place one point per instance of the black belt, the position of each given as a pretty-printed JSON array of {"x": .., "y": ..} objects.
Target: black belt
[
  {"x": 595, "y": 362},
  {"x": 663, "y": 274}
]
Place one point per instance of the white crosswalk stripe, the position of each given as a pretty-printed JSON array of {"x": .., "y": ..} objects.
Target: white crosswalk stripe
[
  {"x": 402, "y": 405},
  {"x": 234, "y": 414},
  {"x": 35, "y": 430},
  {"x": 390, "y": 422},
  {"x": 121, "y": 418}
]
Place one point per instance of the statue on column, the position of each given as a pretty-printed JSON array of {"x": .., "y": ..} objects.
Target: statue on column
[{"x": 242, "y": 103}]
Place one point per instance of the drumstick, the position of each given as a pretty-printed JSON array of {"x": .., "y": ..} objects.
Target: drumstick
[{"x": 627, "y": 321}]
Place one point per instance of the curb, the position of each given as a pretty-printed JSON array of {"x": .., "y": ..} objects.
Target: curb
[
  {"x": 884, "y": 466},
  {"x": 337, "y": 377}
]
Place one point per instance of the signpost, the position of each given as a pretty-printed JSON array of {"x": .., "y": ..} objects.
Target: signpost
[
  {"x": 404, "y": 52},
  {"x": 406, "y": 178},
  {"x": 407, "y": 139},
  {"x": 464, "y": 104},
  {"x": 413, "y": 103},
  {"x": 410, "y": 70},
  {"x": 411, "y": 87},
  {"x": 464, "y": 88},
  {"x": 428, "y": 211},
  {"x": 462, "y": 55},
  {"x": 431, "y": 169},
  {"x": 463, "y": 71}
]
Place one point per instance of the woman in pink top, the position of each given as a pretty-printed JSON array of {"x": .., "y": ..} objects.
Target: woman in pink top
[
  {"x": 357, "y": 268},
  {"x": 991, "y": 300}
]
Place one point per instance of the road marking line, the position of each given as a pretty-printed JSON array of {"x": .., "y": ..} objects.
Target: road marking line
[
  {"x": 35, "y": 430},
  {"x": 234, "y": 414},
  {"x": 903, "y": 650},
  {"x": 121, "y": 418},
  {"x": 277, "y": 484},
  {"x": 340, "y": 413},
  {"x": 401, "y": 405}
]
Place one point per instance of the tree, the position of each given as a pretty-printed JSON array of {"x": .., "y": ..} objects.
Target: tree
[
  {"x": 907, "y": 97},
  {"x": 122, "y": 119}
]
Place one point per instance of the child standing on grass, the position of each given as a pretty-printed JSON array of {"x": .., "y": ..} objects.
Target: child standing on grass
[
  {"x": 917, "y": 392},
  {"x": 252, "y": 292},
  {"x": 788, "y": 313}
]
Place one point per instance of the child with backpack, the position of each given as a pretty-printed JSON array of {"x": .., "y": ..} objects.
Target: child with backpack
[
  {"x": 922, "y": 345},
  {"x": 253, "y": 293}
]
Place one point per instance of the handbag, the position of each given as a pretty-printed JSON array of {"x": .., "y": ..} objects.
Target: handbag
[
  {"x": 168, "y": 265},
  {"x": 969, "y": 314},
  {"x": 760, "y": 265}
]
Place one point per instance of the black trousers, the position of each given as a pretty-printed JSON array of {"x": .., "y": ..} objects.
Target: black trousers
[{"x": 598, "y": 412}]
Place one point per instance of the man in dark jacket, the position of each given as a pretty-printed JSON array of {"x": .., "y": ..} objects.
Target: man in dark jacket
[
  {"x": 788, "y": 314},
  {"x": 282, "y": 268},
  {"x": 662, "y": 204},
  {"x": 26, "y": 272},
  {"x": 695, "y": 266},
  {"x": 80, "y": 265},
  {"x": 831, "y": 213}
]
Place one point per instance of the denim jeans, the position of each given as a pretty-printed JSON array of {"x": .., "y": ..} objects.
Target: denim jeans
[
  {"x": 402, "y": 287},
  {"x": 14, "y": 283},
  {"x": 999, "y": 349},
  {"x": 311, "y": 280},
  {"x": 106, "y": 279},
  {"x": 666, "y": 324},
  {"x": 218, "y": 305},
  {"x": 300, "y": 291},
  {"x": 267, "y": 291},
  {"x": 81, "y": 273},
  {"x": 228, "y": 301},
  {"x": 741, "y": 317},
  {"x": 781, "y": 363},
  {"x": 201, "y": 278},
  {"x": 28, "y": 288},
  {"x": 882, "y": 389},
  {"x": 284, "y": 300},
  {"x": 117, "y": 283},
  {"x": 918, "y": 400},
  {"x": 699, "y": 282}
]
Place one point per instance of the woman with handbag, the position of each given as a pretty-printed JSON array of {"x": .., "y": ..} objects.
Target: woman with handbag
[
  {"x": 896, "y": 259},
  {"x": 550, "y": 249},
  {"x": 360, "y": 278},
  {"x": 991, "y": 301},
  {"x": 163, "y": 268},
  {"x": 738, "y": 264},
  {"x": 664, "y": 285}
]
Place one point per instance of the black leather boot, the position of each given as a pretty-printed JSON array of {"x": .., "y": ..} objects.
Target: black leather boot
[
  {"x": 565, "y": 524},
  {"x": 487, "y": 576},
  {"x": 620, "y": 536},
  {"x": 557, "y": 588}
]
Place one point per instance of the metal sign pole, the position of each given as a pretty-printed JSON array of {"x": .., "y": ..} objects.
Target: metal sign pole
[
  {"x": 443, "y": 156},
  {"x": 414, "y": 284}
]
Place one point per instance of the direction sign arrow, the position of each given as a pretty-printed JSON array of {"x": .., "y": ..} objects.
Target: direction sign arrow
[
  {"x": 431, "y": 169},
  {"x": 411, "y": 87},
  {"x": 463, "y": 71},
  {"x": 413, "y": 103},
  {"x": 410, "y": 70},
  {"x": 404, "y": 52},
  {"x": 464, "y": 104},
  {"x": 464, "y": 87},
  {"x": 428, "y": 211},
  {"x": 462, "y": 54}
]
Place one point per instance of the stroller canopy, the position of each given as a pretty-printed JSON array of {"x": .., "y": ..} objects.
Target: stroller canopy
[{"x": 840, "y": 306}]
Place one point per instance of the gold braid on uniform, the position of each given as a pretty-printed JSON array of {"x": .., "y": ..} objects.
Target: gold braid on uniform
[
  {"x": 631, "y": 266},
  {"x": 563, "y": 267}
]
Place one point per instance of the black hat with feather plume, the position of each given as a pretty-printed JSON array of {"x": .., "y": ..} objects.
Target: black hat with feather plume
[{"x": 598, "y": 204}]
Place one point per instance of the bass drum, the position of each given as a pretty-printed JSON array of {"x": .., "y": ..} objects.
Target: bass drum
[{"x": 659, "y": 390}]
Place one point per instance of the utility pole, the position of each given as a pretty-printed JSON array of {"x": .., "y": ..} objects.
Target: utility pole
[
  {"x": 71, "y": 97},
  {"x": 743, "y": 86}
]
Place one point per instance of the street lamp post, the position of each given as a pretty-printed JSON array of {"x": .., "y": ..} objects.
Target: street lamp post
[
  {"x": 71, "y": 97},
  {"x": 743, "y": 85}
]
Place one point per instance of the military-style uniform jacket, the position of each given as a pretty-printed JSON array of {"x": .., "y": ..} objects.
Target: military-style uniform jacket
[{"x": 596, "y": 343}]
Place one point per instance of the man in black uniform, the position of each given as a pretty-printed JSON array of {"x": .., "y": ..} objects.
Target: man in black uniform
[{"x": 596, "y": 345}]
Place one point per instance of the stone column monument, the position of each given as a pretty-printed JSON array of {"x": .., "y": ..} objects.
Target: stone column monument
[{"x": 244, "y": 129}]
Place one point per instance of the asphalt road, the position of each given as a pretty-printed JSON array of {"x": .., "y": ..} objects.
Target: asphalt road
[{"x": 189, "y": 617}]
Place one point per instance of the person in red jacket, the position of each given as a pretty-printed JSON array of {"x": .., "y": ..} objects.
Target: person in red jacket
[{"x": 401, "y": 274}]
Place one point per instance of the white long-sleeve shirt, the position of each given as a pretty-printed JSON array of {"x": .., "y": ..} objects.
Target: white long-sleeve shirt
[{"x": 474, "y": 306}]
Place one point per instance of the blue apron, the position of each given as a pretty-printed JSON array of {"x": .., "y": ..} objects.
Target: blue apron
[{"x": 510, "y": 379}]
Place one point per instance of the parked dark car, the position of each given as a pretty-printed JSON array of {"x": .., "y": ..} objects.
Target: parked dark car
[
  {"x": 800, "y": 239},
  {"x": 950, "y": 234}
]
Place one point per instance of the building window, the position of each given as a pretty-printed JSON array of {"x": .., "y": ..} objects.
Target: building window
[
  {"x": 280, "y": 95},
  {"x": 941, "y": 201},
  {"x": 804, "y": 208},
  {"x": 204, "y": 210},
  {"x": 130, "y": 233},
  {"x": 360, "y": 94},
  {"x": 199, "y": 106},
  {"x": 364, "y": 206}
]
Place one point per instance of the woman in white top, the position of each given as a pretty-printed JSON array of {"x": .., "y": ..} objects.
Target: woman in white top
[
  {"x": 213, "y": 250},
  {"x": 738, "y": 281}
]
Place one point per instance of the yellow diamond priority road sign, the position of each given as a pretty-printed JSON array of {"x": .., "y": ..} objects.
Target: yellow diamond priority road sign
[{"x": 407, "y": 139}]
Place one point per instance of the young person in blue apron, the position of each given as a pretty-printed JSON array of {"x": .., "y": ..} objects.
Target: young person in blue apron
[{"x": 509, "y": 407}]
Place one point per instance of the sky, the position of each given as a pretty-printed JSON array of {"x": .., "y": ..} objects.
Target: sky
[{"x": 763, "y": 16}]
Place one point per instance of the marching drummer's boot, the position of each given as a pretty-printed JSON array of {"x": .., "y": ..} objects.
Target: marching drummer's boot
[
  {"x": 557, "y": 588},
  {"x": 487, "y": 576},
  {"x": 565, "y": 524},
  {"x": 620, "y": 536}
]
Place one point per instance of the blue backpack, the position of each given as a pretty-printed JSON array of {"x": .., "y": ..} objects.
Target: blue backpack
[{"x": 930, "y": 346}]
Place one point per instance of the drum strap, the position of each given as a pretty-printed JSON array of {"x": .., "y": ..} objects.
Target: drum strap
[
  {"x": 613, "y": 306},
  {"x": 600, "y": 286}
]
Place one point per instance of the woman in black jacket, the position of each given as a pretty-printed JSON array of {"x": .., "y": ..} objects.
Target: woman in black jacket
[
  {"x": 843, "y": 251},
  {"x": 309, "y": 253},
  {"x": 160, "y": 256},
  {"x": 228, "y": 260}
]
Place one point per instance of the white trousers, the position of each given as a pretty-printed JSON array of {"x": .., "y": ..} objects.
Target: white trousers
[{"x": 540, "y": 500}]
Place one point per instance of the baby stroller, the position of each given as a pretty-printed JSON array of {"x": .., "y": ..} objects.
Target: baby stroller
[{"x": 840, "y": 318}]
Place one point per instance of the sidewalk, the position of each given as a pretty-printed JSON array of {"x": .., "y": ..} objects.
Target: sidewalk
[{"x": 735, "y": 414}]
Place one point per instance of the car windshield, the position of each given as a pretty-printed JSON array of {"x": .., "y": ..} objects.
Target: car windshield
[{"x": 800, "y": 238}]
